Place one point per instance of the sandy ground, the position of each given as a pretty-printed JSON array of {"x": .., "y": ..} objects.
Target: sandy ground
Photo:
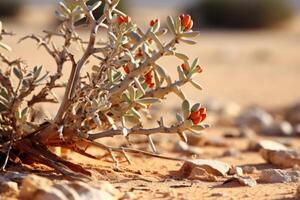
[{"x": 258, "y": 67}]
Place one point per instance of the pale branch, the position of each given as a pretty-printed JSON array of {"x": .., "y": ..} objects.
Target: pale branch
[
  {"x": 5, "y": 59},
  {"x": 76, "y": 69},
  {"x": 138, "y": 131},
  {"x": 124, "y": 150},
  {"x": 142, "y": 69},
  {"x": 163, "y": 91}
]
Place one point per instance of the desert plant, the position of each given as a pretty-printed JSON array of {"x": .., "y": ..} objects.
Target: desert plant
[
  {"x": 104, "y": 102},
  {"x": 241, "y": 13}
]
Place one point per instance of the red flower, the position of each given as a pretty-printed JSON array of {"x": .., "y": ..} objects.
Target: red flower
[
  {"x": 198, "y": 116},
  {"x": 186, "y": 22},
  {"x": 149, "y": 79},
  {"x": 199, "y": 69},
  {"x": 126, "y": 69},
  {"x": 153, "y": 22},
  {"x": 139, "y": 53},
  {"x": 127, "y": 19},
  {"x": 184, "y": 67},
  {"x": 121, "y": 20}
]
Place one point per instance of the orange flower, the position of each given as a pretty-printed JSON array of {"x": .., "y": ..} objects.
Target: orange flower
[
  {"x": 121, "y": 20},
  {"x": 139, "y": 53},
  {"x": 198, "y": 116},
  {"x": 153, "y": 22},
  {"x": 186, "y": 22},
  {"x": 127, "y": 19},
  {"x": 148, "y": 79},
  {"x": 126, "y": 69},
  {"x": 184, "y": 67},
  {"x": 199, "y": 69}
]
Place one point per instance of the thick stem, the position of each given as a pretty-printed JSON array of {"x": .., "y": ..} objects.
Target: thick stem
[{"x": 75, "y": 74}]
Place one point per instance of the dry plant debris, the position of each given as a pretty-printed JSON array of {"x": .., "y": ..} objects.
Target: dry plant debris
[{"x": 106, "y": 101}]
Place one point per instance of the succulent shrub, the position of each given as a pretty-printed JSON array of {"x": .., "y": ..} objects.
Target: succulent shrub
[
  {"x": 106, "y": 101},
  {"x": 241, "y": 13}
]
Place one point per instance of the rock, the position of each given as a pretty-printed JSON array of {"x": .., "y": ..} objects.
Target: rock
[
  {"x": 293, "y": 114},
  {"x": 298, "y": 192},
  {"x": 249, "y": 170},
  {"x": 236, "y": 171},
  {"x": 244, "y": 181},
  {"x": 247, "y": 133},
  {"x": 218, "y": 194},
  {"x": 38, "y": 188},
  {"x": 213, "y": 167},
  {"x": 31, "y": 184},
  {"x": 297, "y": 129},
  {"x": 215, "y": 141},
  {"x": 278, "y": 176},
  {"x": 254, "y": 117},
  {"x": 181, "y": 146},
  {"x": 231, "y": 109},
  {"x": 283, "y": 128},
  {"x": 265, "y": 144},
  {"x": 129, "y": 196},
  {"x": 8, "y": 186},
  {"x": 281, "y": 158},
  {"x": 232, "y": 153}
]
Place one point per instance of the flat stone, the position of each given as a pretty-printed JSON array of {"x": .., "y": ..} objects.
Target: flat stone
[
  {"x": 213, "y": 167},
  {"x": 243, "y": 181},
  {"x": 281, "y": 158},
  {"x": 278, "y": 176}
]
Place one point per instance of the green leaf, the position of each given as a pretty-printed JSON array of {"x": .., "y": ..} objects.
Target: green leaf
[
  {"x": 139, "y": 86},
  {"x": 181, "y": 74},
  {"x": 37, "y": 71},
  {"x": 160, "y": 71},
  {"x": 42, "y": 78},
  {"x": 185, "y": 105},
  {"x": 4, "y": 94},
  {"x": 179, "y": 117},
  {"x": 171, "y": 25},
  {"x": 157, "y": 41},
  {"x": 4, "y": 46},
  {"x": 95, "y": 5},
  {"x": 65, "y": 10},
  {"x": 3, "y": 107},
  {"x": 131, "y": 93},
  {"x": 188, "y": 124},
  {"x": 18, "y": 73},
  {"x": 196, "y": 85},
  {"x": 157, "y": 80},
  {"x": 190, "y": 42},
  {"x": 186, "y": 109},
  {"x": 148, "y": 101},
  {"x": 181, "y": 56},
  {"x": 189, "y": 34},
  {"x": 132, "y": 119},
  {"x": 135, "y": 113},
  {"x": 178, "y": 25},
  {"x": 196, "y": 107},
  {"x": 60, "y": 16},
  {"x": 195, "y": 63}
]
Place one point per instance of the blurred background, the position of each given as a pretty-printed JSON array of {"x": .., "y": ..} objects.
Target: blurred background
[{"x": 249, "y": 49}]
